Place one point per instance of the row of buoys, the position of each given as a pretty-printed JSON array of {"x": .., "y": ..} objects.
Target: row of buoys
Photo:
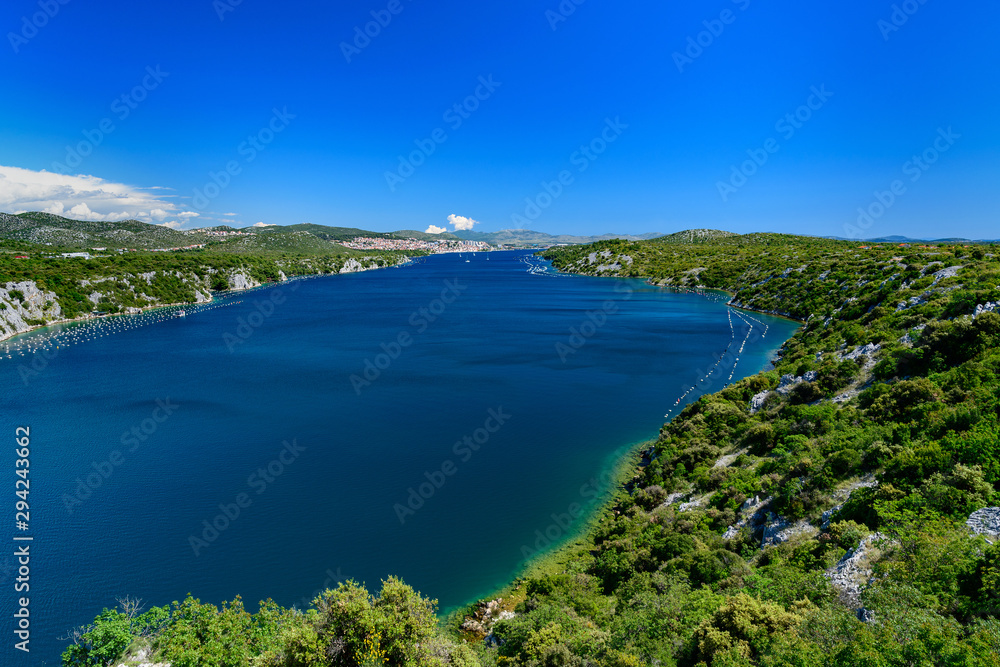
[
  {"x": 732, "y": 340},
  {"x": 748, "y": 320},
  {"x": 66, "y": 334},
  {"x": 537, "y": 268}
]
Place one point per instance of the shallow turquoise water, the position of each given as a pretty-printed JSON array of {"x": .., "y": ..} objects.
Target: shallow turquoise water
[{"x": 570, "y": 389}]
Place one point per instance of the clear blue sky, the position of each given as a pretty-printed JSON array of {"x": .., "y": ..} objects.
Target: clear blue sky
[{"x": 892, "y": 91}]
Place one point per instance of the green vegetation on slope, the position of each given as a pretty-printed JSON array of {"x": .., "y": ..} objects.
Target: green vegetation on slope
[
  {"x": 826, "y": 500},
  {"x": 136, "y": 280},
  {"x": 109, "y": 281}
]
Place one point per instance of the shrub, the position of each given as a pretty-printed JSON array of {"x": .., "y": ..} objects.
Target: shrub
[
  {"x": 848, "y": 534},
  {"x": 744, "y": 626}
]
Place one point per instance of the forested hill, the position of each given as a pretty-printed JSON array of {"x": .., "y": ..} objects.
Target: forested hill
[{"x": 834, "y": 511}]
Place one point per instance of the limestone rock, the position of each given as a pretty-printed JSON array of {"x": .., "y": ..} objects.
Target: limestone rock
[{"x": 985, "y": 521}]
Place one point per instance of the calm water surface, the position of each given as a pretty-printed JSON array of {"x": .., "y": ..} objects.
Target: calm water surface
[{"x": 266, "y": 413}]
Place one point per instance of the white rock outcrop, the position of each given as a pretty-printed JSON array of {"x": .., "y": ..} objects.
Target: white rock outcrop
[
  {"x": 757, "y": 401},
  {"x": 868, "y": 350},
  {"x": 788, "y": 381},
  {"x": 32, "y": 304},
  {"x": 985, "y": 521},
  {"x": 778, "y": 530},
  {"x": 854, "y": 570},
  {"x": 988, "y": 307},
  {"x": 239, "y": 280}
]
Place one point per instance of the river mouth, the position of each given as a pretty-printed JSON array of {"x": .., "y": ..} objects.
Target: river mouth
[{"x": 425, "y": 421}]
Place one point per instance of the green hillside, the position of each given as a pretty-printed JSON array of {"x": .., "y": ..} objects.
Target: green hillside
[
  {"x": 45, "y": 228},
  {"x": 330, "y": 233},
  {"x": 67, "y": 234},
  {"x": 38, "y": 286}
]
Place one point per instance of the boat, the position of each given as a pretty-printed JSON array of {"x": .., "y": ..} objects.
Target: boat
[{"x": 181, "y": 313}]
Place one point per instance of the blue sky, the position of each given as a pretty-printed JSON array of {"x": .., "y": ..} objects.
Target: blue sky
[{"x": 663, "y": 132}]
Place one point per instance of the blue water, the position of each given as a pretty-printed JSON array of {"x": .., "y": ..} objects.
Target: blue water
[{"x": 330, "y": 511}]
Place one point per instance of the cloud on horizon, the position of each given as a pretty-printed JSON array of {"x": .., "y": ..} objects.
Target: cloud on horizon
[
  {"x": 86, "y": 198},
  {"x": 462, "y": 223},
  {"x": 434, "y": 229}
]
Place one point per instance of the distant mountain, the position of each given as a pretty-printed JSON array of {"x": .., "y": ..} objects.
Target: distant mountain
[
  {"x": 907, "y": 239},
  {"x": 528, "y": 237}
]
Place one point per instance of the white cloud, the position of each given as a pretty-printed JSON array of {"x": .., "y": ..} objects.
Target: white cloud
[
  {"x": 461, "y": 222},
  {"x": 84, "y": 197},
  {"x": 171, "y": 225},
  {"x": 228, "y": 215},
  {"x": 81, "y": 210},
  {"x": 434, "y": 229},
  {"x": 262, "y": 224}
]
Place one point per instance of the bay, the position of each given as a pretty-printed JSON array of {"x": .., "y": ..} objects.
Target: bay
[{"x": 497, "y": 394}]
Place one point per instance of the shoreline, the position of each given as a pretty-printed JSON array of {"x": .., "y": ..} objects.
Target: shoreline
[
  {"x": 682, "y": 290},
  {"x": 145, "y": 309},
  {"x": 730, "y": 294},
  {"x": 630, "y": 460},
  {"x": 626, "y": 460}
]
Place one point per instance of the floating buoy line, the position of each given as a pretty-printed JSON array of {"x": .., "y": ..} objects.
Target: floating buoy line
[
  {"x": 535, "y": 267},
  {"x": 538, "y": 268},
  {"x": 78, "y": 332},
  {"x": 747, "y": 319}
]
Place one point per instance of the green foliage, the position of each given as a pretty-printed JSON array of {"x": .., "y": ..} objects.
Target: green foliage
[
  {"x": 741, "y": 630},
  {"x": 111, "y": 634}
]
